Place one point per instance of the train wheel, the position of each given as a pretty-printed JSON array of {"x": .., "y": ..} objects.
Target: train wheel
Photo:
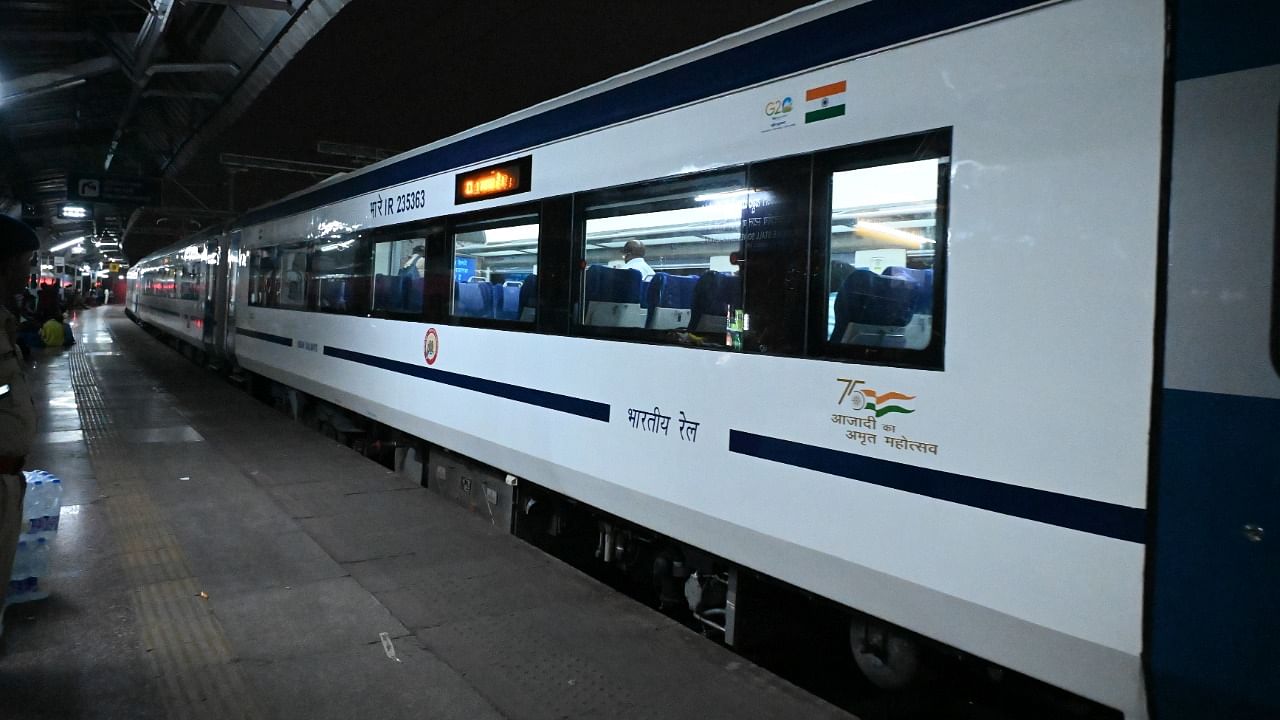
[{"x": 886, "y": 655}]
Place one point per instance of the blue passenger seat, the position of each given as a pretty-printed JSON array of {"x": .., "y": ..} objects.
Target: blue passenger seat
[
  {"x": 670, "y": 299},
  {"x": 382, "y": 291},
  {"x": 879, "y": 311},
  {"x": 529, "y": 299},
  {"x": 507, "y": 300},
  {"x": 613, "y": 297},
  {"x": 334, "y": 297},
  {"x": 714, "y": 296},
  {"x": 923, "y": 300},
  {"x": 413, "y": 290},
  {"x": 474, "y": 299}
]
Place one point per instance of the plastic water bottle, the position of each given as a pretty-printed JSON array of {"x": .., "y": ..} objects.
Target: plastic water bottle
[
  {"x": 32, "y": 516},
  {"x": 34, "y": 500},
  {"x": 20, "y": 581},
  {"x": 38, "y": 566},
  {"x": 55, "y": 505},
  {"x": 21, "y": 561}
]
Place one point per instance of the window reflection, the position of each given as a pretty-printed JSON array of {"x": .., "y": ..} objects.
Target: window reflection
[
  {"x": 339, "y": 280},
  {"x": 880, "y": 284},
  {"x": 658, "y": 257},
  {"x": 399, "y": 275},
  {"x": 495, "y": 269}
]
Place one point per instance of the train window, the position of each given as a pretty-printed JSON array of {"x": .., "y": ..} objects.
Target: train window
[
  {"x": 165, "y": 284},
  {"x": 659, "y": 257},
  {"x": 262, "y": 277},
  {"x": 339, "y": 279},
  {"x": 158, "y": 281},
  {"x": 292, "y": 273},
  {"x": 886, "y": 230},
  {"x": 399, "y": 272},
  {"x": 495, "y": 266},
  {"x": 191, "y": 273}
]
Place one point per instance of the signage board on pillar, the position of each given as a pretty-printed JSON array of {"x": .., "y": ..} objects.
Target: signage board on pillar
[{"x": 113, "y": 188}]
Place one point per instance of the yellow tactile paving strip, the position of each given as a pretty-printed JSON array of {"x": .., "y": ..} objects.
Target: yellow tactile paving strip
[{"x": 183, "y": 640}]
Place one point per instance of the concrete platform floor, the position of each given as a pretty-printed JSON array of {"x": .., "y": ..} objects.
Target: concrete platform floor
[{"x": 215, "y": 560}]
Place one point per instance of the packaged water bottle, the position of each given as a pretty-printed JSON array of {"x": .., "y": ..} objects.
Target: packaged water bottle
[
  {"x": 39, "y": 565},
  {"x": 55, "y": 492},
  {"x": 19, "y": 580},
  {"x": 21, "y": 560},
  {"x": 55, "y": 505},
  {"x": 31, "y": 505}
]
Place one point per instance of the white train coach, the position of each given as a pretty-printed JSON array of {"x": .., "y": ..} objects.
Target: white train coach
[{"x": 958, "y": 315}]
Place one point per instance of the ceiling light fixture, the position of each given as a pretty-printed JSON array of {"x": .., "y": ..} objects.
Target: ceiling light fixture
[{"x": 67, "y": 244}]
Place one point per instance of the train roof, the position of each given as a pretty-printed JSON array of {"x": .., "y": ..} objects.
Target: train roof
[{"x": 798, "y": 41}]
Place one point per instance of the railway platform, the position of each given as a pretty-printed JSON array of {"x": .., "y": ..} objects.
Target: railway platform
[{"x": 216, "y": 560}]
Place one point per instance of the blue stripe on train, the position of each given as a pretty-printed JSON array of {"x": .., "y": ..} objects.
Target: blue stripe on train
[
  {"x": 1076, "y": 513},
  {"x": 268, "y": 337},
  {"x": 857, "y": 30},
  {"x": 589, "y": 409},
  {"x": 1213, "y": 622}
]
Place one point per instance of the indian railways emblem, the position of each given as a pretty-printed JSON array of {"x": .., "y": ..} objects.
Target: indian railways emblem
[{"x": 431, "y": 346}]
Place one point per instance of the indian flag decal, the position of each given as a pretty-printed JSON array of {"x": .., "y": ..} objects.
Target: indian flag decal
[
  {"x": 884, "y": 403},
  {"x": 825, "y": 102}
]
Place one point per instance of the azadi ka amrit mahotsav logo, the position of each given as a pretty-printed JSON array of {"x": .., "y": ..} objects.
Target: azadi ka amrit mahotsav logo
[{"x": 880, "y": 403}]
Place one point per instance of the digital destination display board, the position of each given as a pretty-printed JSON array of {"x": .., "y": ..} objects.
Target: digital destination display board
[{"x": 508, "y": 178}]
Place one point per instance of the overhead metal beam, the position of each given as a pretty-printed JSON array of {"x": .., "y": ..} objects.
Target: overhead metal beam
[
  {"x": 152, "y": 29},
  {"x": 182, "y": 94},
  {"x": 294, "y": 166},
  {"x": 43, "y": 37},
  {"x": 226, "y": 67},
  {"x": 356, "y": 152},
  {"x": 9, "y": 99},
  {"x": 77, "y": 123},
  {"x": 56, "y": 7},
  {"x": 284, "y": 5},
  {"x": 277, "y": 50},
  {"x": 143, "y": 48},
  {"x": 60, "y": 79}
]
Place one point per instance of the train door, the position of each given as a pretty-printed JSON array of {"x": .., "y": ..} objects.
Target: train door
[
  {"x": 1215, "y": 558},
  {"x": 134, "y": 290},
  {"x": 214, "y": 276},
  {"x": 229, "y": 275}
]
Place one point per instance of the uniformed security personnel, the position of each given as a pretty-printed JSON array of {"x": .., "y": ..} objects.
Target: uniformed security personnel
[{"x": 17, "y": 415}]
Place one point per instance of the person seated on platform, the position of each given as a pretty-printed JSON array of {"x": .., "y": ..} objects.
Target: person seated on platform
[
  {"x": 28, "y": 337},
  {"x": 633, "y": 256},
  {"x": 47, "y": 301},
  {"x": 68, "y": 339},
  {"x": 51, "y": 333}
]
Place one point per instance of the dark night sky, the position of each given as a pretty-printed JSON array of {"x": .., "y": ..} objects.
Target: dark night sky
[{"x": 398, "y": 75}]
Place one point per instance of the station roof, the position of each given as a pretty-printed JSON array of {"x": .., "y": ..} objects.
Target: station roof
[{"x": 178, "y": 113}]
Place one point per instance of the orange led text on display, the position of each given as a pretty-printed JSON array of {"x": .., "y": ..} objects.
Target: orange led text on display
[
  {"x": 508, "y": 178},
  {"x": 494, "y": 181}
]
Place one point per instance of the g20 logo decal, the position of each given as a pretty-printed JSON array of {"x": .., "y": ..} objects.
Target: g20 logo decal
[
  {"x": 775, "y": 108},
  {"x": 431, "y": 346}
]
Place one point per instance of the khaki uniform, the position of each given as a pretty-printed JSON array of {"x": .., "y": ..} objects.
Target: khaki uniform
[{"x": 17, "y": 431}]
